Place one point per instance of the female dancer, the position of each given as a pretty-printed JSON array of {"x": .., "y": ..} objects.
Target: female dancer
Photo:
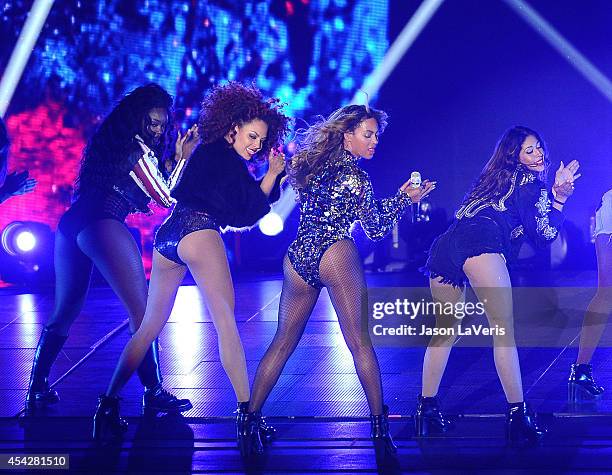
[
  {"x": 507, "y": 203},
  {"x": 334, "y": 192},
  {"x": 119, "y": 175},
  {"x": 581, "y": 384},
  {"x": 236, "y": 124}
]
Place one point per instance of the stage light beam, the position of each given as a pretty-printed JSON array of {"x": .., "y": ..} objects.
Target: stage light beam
[
  {"x": 23, "y": 48},
  {"x": 376, "y": 79},
  {"x": 563, "y": 47},
  {"x": 396, "y": 52}
]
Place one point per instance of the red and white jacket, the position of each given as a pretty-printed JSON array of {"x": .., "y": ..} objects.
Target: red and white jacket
[{"x": 150, "y": 180}]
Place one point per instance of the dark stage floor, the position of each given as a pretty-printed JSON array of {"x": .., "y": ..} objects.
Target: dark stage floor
[{"x": 318, "y": 405}]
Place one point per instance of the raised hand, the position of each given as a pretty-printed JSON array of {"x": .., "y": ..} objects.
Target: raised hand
[
  {"x": 186, "y": 144},
  {"x": 144, "y": 147},
  {"x": 276, "y": 162},
  {"x": 17, "y": 184},
  {"x": 565, "y": 177},
  {"x": 417, "y": 194}
]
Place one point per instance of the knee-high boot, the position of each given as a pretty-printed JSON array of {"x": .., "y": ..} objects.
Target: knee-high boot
[{"x": 49, "y": 346}]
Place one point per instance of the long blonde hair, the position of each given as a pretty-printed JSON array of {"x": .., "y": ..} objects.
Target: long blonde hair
[{"x": 323, "y": 142}]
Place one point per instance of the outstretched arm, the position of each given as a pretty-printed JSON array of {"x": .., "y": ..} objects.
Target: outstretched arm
[{"x": 377, "y": 217}]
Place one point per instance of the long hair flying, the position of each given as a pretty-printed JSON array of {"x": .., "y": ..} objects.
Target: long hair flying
[
  {"x": 105, "y": 157},
  {"x": 323, "y": 142},
  {"x": 494, "y": 179}
]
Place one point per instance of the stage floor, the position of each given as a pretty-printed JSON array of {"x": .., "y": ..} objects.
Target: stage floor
[{"x": 318, "y": 404}]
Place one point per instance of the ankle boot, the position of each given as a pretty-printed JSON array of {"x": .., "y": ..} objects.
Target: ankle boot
[
  {"x": 39, "y": 395},
  {"x": 267, "y": 432},
  {"x": 581, "y": 385},
  {"x": 107, "y": 423},
  {"x": 380, "y": 433},
  {"x": 247, "y": 431},
  {"x": 156, "y": 398},
  {"x": 429, "y": 419},
  {"x": 521, "y": 425}
]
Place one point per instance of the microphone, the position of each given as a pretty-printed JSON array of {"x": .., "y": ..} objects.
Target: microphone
[{"x": 415, "y": 182}]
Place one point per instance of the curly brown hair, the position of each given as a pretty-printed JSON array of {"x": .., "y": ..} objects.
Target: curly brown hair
[
  {"x": 323, "y": 142},
  {"x": 232, "y": 104}
]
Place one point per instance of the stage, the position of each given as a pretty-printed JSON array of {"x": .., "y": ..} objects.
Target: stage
[{"x": 318, "y": 405}]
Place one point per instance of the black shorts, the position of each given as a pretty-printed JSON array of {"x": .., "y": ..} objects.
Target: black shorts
[{"x": 464, "y": 239}]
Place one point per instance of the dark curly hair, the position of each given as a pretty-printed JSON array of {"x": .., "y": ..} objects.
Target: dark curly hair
[
  {"x": 323, "y": 142},
  {"x": 495, "y": 177},
  {"x": 105, "y": 157},
  {"x": 232, "y": 104}
]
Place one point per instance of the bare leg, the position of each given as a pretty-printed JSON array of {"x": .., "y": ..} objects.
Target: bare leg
[
  {"x": 166, "y": 277},
  {"x": 439, "y": 347},
  {"x": 489, "y": 278},
  {"x": 204, "y": 253}
]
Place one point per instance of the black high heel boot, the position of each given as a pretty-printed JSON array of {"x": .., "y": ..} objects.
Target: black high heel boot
[
  {"x": 581, "y": 385},
  {"x": 429, "y": 419},
  {"x": 39, "y": 395},
  {"x": 383, "y": 443},
  {"x": 522, "y": 426},
  {"x": 107, "y": 423},
  {"x": 156, "y": 398},
  {"x": 267, "y": 432},
  {"x": 248, "y": 436}
]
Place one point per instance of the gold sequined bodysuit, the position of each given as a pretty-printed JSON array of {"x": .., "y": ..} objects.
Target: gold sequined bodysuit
[{"x": 330, "y": 203}]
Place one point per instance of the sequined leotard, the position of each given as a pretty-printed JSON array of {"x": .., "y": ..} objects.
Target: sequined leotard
[{"x": 330, "y": 203}]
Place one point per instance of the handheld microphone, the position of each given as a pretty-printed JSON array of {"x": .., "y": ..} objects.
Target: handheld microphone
[{"x": 415, "y": 182}]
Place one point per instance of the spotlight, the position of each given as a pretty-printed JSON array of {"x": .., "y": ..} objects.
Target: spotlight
[
  {"x": 271, "y": 224},
  {"x": 18, "y": 238},
  {"x": 25, "y": 241}
]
